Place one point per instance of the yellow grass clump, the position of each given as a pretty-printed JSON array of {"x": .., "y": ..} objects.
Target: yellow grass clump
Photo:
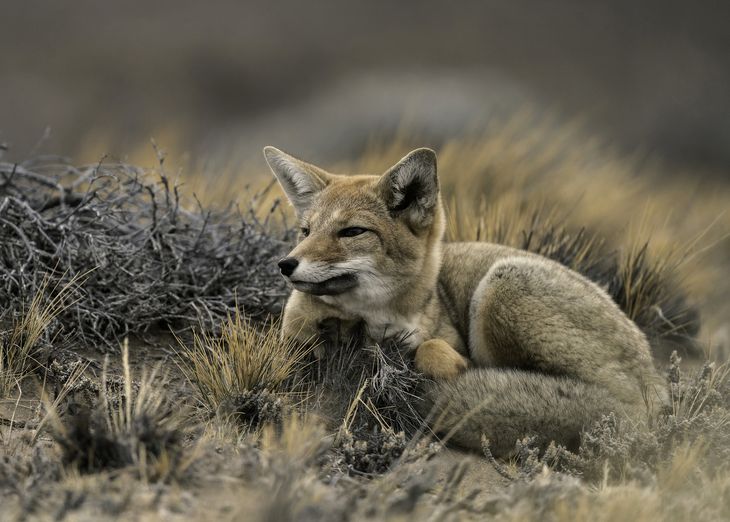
[{"x": 239, "y": 359}]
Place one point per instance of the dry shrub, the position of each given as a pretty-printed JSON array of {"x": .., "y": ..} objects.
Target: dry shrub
[
  {"x": 154, "y": 258},
  {"x": 244, "y": 373},
  {"x": 683, "y": 490},
  {"x": 373, "y": 455}
]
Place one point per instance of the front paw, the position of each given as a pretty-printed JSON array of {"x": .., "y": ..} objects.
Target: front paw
[{"x": 436, "y": 359}]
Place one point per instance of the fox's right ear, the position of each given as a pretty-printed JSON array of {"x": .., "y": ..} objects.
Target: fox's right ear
[{"x": 300, "y": 181}]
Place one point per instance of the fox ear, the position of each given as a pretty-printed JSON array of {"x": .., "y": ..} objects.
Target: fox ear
[
  {"x": 301, "y": 181},
  {"x": 410, "y": 188}
]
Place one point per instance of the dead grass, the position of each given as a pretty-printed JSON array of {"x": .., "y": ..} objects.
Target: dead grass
[
  {"x": 245, "y": 370},
  {"x": 135, "y": 425},
  {"x": 19, "y": 344}
]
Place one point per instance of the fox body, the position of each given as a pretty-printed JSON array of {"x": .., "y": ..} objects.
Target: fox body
[{"x": 513, "y": 343}]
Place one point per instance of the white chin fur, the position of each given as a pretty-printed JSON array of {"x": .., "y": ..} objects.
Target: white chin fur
[{"x": 374, "y": 289}]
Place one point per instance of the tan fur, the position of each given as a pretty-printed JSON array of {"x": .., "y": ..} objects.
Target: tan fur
[
  {"x": 437, "y": 359},
  {"x": 460, "y": 304}
]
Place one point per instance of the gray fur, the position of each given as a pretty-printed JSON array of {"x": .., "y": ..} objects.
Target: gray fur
[{"x": 506, "y": 405}]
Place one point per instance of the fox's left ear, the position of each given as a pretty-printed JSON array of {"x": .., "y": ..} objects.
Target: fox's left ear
[
  {"x": 301, "y": 181},
  {"x": 410, "y": 188}
]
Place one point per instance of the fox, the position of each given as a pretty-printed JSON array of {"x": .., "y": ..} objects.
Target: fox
[{"x": 510, "y": 343}]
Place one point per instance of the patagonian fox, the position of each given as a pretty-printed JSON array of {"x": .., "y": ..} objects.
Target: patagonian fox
[{"x": 512, "y": 343}]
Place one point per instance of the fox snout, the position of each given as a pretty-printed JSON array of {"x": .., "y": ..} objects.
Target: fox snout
[
  {"x": 317, "y": 278},
  {"x": 288, "y": 265}
]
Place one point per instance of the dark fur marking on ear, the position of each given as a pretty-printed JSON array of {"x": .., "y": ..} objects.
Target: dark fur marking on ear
[{"x": 412, "y": 191}]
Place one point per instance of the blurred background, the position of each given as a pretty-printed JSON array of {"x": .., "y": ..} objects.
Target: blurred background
[
  {"x": 609, "y": 116},
  {"x": 322, "y": 79}
]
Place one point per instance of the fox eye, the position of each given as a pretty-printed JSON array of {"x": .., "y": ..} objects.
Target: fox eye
[
  {"x": 304, "y": 231},
  {"x": 351, "y": 231}
]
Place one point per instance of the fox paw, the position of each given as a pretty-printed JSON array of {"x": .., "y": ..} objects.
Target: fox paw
[{"x": 436, "y": 358}]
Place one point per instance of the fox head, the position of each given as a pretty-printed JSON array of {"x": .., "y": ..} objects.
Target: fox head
[{"x": 367, "y": 238}]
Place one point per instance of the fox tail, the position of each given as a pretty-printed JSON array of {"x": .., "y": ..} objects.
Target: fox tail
[{"x": 506, "y": 405}]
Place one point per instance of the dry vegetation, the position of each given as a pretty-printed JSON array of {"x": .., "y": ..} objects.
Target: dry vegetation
[
  {"x": 19, "y": 343},
  {"x": 246, "y": 373},
  {"x": 148, "y": 259},
  {"x": 243, "y": 426}
]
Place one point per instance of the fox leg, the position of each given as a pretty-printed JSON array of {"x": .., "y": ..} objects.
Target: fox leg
[{"x": 437, "y": 359}]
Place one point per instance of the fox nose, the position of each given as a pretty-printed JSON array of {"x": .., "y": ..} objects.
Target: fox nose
[{"x": 288, "y": 265}]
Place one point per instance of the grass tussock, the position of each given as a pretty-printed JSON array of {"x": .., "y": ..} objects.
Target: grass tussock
[
  {"x": 138, "y": 426},
  {"x": 246, "y": 373},
  {"x": 300, "y": 441},
  {"x": 19, "y": 345}
]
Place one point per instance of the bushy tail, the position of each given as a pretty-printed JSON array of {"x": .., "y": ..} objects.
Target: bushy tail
[{"x": 505, "y": 405}]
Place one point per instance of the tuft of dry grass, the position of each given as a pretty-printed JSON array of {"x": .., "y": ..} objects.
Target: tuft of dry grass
[
  {"x": 244, "y": 370},
  {"x": 19, "y": 344},
  {"x": 299, "y": 441},
  {"x": 139, "y": 426}
]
